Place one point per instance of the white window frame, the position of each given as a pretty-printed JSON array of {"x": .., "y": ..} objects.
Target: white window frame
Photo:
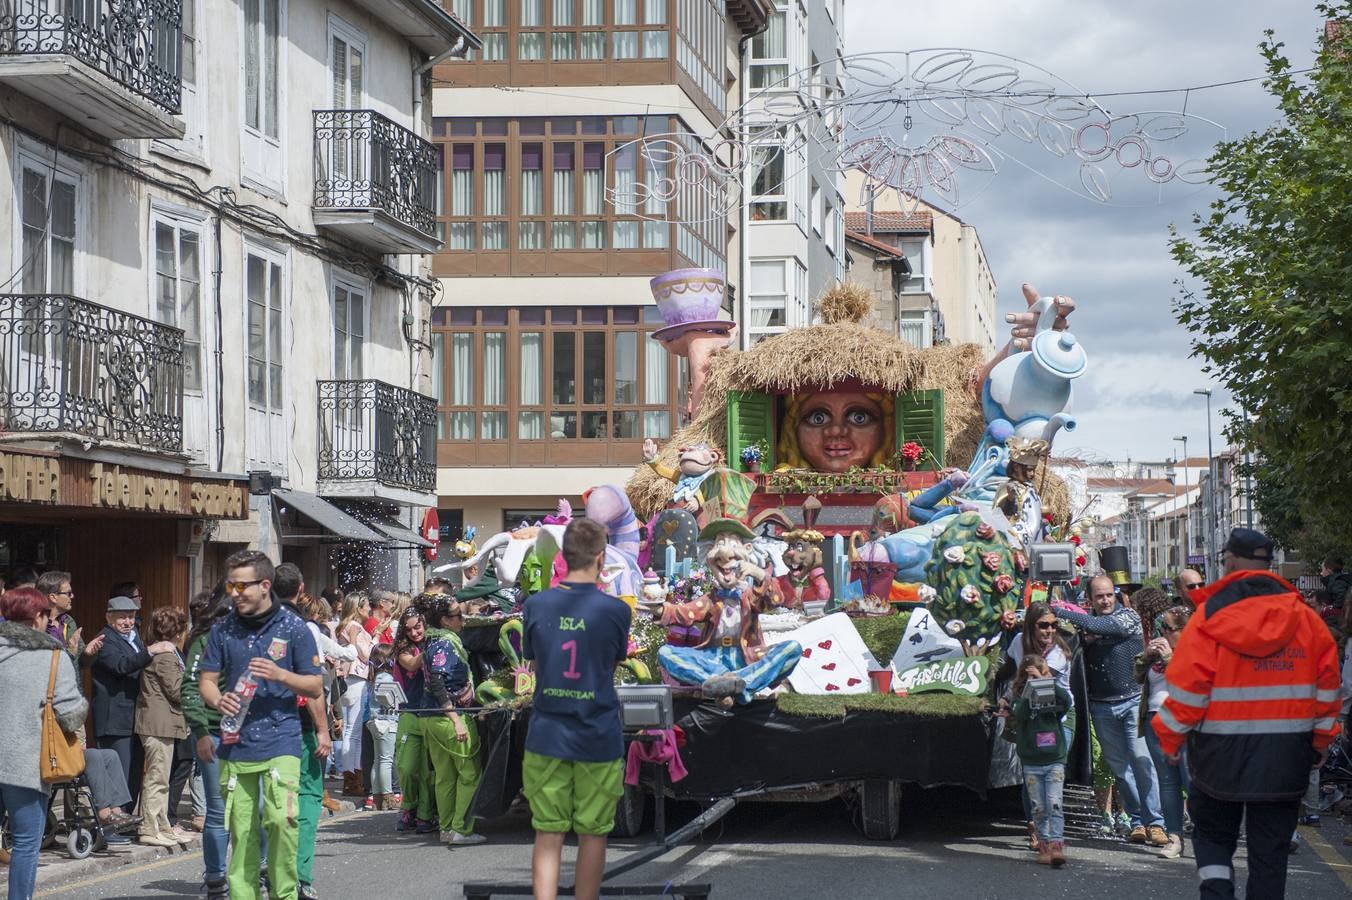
[
  {"x": 52, "y": 165},
  {"x": 354, "y": 38},
  {"x": 815, "y": 208},
  {"x": 181, "y": 219},
  {"x": 777, "y": 138},
  {"x": 273, "y": 255},
  {"x": 754, "y": 62},
  {"x": 920, "y": 281},
  {"x": 269, "y": 177},
  {"x": 793, "y": 301},
  {"x": 193, "y": 105},
  {"x": 344, "y": 280}
]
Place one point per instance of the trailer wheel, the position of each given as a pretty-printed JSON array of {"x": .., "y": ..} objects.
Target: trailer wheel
[
  {"x": 633, "y": 803},
  {"x": 880, "y": 808}
]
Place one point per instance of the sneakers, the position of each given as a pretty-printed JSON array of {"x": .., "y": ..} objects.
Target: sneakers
[
  {"x": 306, "y": 892},
  {"x": 112, "y": 837},
  {"x": 1058, "y": 854},
  {"x": 157, "y": 840},
  {"x": 1173, "y": 849},
  {"x": 425, "y": 826},
  {"x": 217, "y": 889},
  {"x": 406, "y": 821},
  {"x": 1308, "y": 820},
  {"x": 461, "y": 840},
  {"x": 370, "y": 803},
  {"x": 1106, "y": 825},
  {"x": 1156, "y": 836},
  {"x": 1123, "y": 823},
  {"x": 1137, "y": 835}
]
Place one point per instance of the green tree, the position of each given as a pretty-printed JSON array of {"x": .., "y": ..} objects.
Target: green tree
[{"x": 1272, "y": 315}]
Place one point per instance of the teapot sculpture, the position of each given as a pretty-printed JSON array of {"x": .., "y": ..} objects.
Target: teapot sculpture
[{"x": 1031, "y": 388}]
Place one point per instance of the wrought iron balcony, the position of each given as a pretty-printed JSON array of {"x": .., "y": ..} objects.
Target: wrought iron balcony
[
  {"x": 115, "y": 66},
  {"x": 75, "y": 367},
  {"x": 370, "y": 431},
  {"x": 375, "y": 181}
]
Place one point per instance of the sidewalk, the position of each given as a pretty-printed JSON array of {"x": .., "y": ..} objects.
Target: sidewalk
[{"x": 55, "y": 867}]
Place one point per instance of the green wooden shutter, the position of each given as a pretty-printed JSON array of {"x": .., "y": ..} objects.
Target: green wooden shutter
[
  {"x": 920, "y": 418},
  {"x": 751, "y": 418}
]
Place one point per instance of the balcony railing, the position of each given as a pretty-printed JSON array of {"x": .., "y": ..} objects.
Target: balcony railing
[
  {"x": 363, "y": 161},
  {"x": 137, "y": 43},
  {"x": 373, "y": 431},
  {"x": 72, "y": 366}
]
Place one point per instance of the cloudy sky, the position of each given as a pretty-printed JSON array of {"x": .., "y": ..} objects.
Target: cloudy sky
[{"x": 1113, "y": 261}]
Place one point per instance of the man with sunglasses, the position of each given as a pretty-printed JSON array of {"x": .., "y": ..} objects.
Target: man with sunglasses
[
  {"x": 268, "y": 640},
  {"x": 1188, "y": 581}
]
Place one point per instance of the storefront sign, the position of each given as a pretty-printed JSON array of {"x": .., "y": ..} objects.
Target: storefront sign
[
  {"x": 30, "y": 479},
  {"x": 966, "y": 676},
  {"x": 55, "y": 481}
]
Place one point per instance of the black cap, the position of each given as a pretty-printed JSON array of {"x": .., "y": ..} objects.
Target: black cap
[{"x": 1250, "y": 544}]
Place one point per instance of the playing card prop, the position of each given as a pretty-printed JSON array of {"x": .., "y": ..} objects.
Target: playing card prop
[
  {"x": 835, "y": 659},
  {"x": 925, "y": 641},
  {"x": 675, "y": 528},
  {"x": 966, "y": 677}
]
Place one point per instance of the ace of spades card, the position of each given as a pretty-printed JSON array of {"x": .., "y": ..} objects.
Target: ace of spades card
[
  {"x": 835, "y": 658},
  {"x": 925, "y": 641}
]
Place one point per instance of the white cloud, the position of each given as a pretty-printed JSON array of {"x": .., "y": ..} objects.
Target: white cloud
[{"x": 1115, "y": 262}]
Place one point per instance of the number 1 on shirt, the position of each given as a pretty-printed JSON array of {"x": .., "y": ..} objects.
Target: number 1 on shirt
[{"x": 571, "y": 672}]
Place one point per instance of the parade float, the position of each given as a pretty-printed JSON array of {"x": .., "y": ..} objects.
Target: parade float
[{"x": 819, "y": 562}]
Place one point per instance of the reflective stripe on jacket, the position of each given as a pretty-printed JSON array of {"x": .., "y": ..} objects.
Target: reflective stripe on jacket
[{"x": 1253, "y": 686}]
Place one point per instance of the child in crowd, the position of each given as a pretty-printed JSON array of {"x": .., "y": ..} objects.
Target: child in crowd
[
  {"x": 383, "y": 726},
  {"x": 1041, "y": 744},
  {"x": 572, "y": 772}
]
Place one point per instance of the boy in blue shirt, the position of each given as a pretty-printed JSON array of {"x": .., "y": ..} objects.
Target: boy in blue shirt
[
  {"x": 269, "y": 641},
  {"x": 576, "y": 634}
]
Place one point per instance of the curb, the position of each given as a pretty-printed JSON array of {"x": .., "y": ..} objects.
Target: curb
[{"x": 55, "y": 868}]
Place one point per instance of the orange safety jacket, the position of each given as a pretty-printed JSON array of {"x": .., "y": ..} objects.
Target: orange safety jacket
[{"x": 1253, "y": 686}]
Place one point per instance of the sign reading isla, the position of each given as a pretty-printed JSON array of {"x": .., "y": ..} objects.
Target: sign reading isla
[{"x": 965, "y": 676}]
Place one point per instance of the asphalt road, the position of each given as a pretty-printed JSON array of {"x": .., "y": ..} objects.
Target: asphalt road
[{"x": 951, "y": 845}]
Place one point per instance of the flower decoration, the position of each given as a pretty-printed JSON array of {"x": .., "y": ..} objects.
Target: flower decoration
[
  {"x": 1020, "y": 561},
  {"x": 970, "y": 593},
  {"x": 1075, "y": 582},
  {"x": 985, "y": 531},
  {"x": 1047, "y": 517},
  {"x": 912, "y": 451},
  {"x": 991, "y": 561},
  {"x": 927, "y": 593},
  {"x": 954, "y": 627},
  {"x": 1003, "y": 583},
  {"x": 1075, "y": 539},
  {"x": 955, "y": 554},
  {"x": 753, "y": 453}
]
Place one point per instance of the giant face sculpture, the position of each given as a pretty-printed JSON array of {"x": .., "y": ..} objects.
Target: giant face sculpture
[{"x": 832, "y": 431}]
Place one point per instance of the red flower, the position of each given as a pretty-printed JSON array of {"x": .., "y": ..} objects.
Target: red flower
[
  {"x": 1075, "y": 582},
  {"x": 912, "y": 451},
  {"x": 985, "y": 531},
  {"x": 1047, "y": 517},
  {"x": 1003, "y": 583},
  {"x": 1020, "y": 561},
  {"x": 1075, "y": 539},
  {"x": 991, "y": 561},
  {"x": 1081, "y": 559}
]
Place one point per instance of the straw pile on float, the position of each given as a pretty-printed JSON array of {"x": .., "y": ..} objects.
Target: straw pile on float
[{"x": 824, "y": 355}]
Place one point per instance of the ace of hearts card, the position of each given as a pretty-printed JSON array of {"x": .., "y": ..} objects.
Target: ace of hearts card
[{"x": 835, "y": 658}]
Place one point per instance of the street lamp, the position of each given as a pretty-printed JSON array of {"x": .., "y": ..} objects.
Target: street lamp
[
  {"x": 1211, "y": 473},
  {"x": 1187, "y": 516}
]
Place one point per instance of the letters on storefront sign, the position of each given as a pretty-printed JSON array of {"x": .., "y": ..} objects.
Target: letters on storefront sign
[
  {"x": 31, "y": 479},
  {"x": 217, "y": 500}
]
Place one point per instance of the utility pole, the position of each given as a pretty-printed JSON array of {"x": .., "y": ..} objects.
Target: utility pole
[
  {"x": 1187, "y": 514},
  {"x": 1211, "y": 471}
]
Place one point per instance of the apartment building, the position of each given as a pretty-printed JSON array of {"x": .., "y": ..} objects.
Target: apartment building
[
  {"x": 546, "y": 374},
  {"x": 950, "y": 294},
  {"x": 794, "y": 215},
  {"x": 220, "y": 219}
]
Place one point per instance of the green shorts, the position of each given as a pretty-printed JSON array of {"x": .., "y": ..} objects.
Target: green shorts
[{"x": 572, "y": 796}]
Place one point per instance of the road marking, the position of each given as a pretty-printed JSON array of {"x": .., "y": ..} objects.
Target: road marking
[
  {"x": 1331, "y": 857},
  {"x": 121, "y": 871}
]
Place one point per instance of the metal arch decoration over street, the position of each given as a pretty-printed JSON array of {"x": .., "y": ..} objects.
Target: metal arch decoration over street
[{"x": 927, "y": 124}]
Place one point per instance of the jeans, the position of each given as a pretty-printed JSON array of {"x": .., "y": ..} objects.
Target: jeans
[
  {"x": 1173, "y": 780},
  {"x": 1267, "y": 833},
  {"x": 383, "y": 735},
  {"x": 198, "y": 792},
  {"x": 1045, "y": 786},
  {"x": 692, "y": 665},
  {"x": 1128, "y": 757},
  {"x": 214, "y": 837},
  {"x": 27, "y": 813},
  {"x": 1023, "y": 788},
  {"x": 349, "y": 746}
]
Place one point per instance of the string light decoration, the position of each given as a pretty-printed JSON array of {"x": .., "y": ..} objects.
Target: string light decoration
[{"x": 938, "y": 123}]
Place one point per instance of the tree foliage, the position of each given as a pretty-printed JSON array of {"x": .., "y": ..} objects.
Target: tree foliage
[{"x": 1272, "y": 316}]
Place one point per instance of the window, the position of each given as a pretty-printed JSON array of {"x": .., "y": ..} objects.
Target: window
[
  {"x": 347, "y": 51},
  {"x": 263, "y": 86},
  {"x": 831, "y": 230},
  {"x": 770, "y": 53},
  {"x": 349, "y": 329},
  {"x": 816, "y": 207},
  {"x": 777, "y": 298},
  {"x": 265, "y": 326},
  {"x": 177, "y": 297},
  {"x": 494, "y": 34},
  {"x": 700, "y": 46},
  {"x": 913, "y": 327},
  {"x": 193, "y": 96},
  {"x": 769, "y": 202},
  {"x": 916, "y": 254},
  {"x": 530, "y": 45},
  {"x": 563, "y": 377},
  {"x": 49, "y": 213}
]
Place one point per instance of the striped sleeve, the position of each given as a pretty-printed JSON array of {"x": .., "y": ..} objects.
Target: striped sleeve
[
  {"x": 1189, "y": 677},
  {"x": 1327, "y": 689}
]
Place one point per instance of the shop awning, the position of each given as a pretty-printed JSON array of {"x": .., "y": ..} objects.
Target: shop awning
[
  {"x": 329, "y": 517},
  {"x": 395, "y": 531}
]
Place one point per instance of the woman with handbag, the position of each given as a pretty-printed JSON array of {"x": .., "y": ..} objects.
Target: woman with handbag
[
  {"x": 38, "y": 677},
  {"x": 351, "y": 633}
]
